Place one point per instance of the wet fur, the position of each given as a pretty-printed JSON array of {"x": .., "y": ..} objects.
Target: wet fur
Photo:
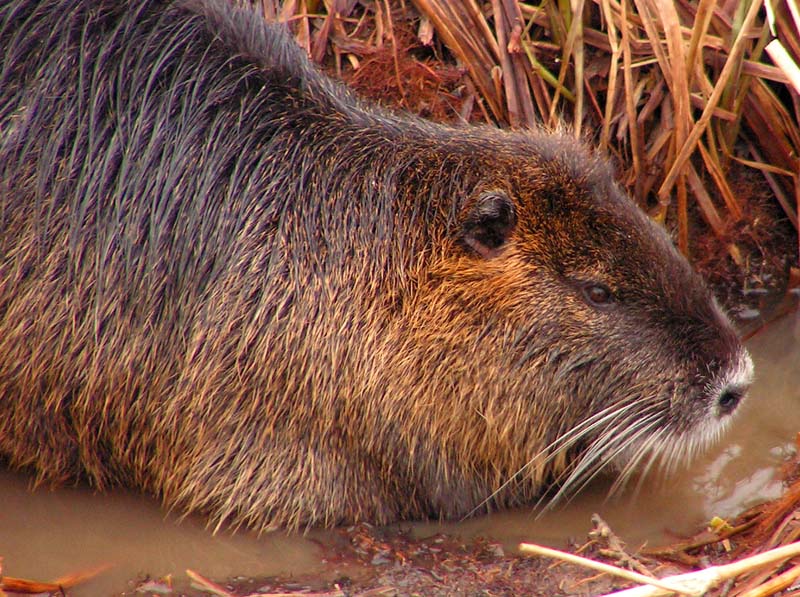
[{"x": 228, "y": 282}]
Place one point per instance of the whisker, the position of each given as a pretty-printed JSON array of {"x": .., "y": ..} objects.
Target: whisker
[
  {"x": 561, "y": 443},
  {"x": 616, "y": 440},
  {"x": 652, "y": 446},
  {"x": 595, "y": 461},
  {"x": 613, "y": 442}
]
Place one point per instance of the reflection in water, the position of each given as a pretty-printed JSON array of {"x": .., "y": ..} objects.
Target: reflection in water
[{"x": 44, "y": 534}]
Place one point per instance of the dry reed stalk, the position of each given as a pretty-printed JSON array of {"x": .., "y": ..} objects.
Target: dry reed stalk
[
  {"x": 715, "y": 169},
  {"x": 782, "y": 59},
  {"x": 32, "y": 587},
  {"x": 539, "y": 550},
  {"x": 456, "y": 23},
  {"x": 692, "y": 583},
  {"x": 630, "y": 108},
  {"x": 778, "y": 583},
  {"x": 704, "y": 202},
  {"x": 512, "y": 17},
  {"x": 576, "y": 37},
  {"x": 700, "y": 126},
  {"x": 509, "y": 78},
  {"x": 611, "y": 94}
]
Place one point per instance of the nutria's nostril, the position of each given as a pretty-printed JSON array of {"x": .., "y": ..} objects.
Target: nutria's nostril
[{"x": 729, "y": 400}]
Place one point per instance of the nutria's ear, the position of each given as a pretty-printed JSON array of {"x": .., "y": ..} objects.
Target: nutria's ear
[{"x": 489, "y": 223}]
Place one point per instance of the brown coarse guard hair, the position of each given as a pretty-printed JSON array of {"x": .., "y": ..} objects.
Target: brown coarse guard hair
[{"x": 226, "y": 281}]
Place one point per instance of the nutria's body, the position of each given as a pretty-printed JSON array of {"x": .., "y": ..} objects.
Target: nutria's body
[{"x": 227, "y": 282}]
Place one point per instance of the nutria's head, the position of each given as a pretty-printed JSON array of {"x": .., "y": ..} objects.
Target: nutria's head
[{"x": 570, "y": 332}]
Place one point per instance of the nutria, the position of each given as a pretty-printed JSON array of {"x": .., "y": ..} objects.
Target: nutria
[{"x": 227, "y": 281}]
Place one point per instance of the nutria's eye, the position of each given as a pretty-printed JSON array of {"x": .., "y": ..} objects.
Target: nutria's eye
[{"x": 597, "y": 294}]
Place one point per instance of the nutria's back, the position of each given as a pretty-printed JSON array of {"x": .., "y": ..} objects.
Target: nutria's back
[{"x": 228, "y": 282}]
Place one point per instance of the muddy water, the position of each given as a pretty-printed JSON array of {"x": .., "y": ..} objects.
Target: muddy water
[{"x": 47, "y": 534}]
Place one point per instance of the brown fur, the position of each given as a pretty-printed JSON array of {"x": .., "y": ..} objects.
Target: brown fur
[{"x": 227, "y": 282}]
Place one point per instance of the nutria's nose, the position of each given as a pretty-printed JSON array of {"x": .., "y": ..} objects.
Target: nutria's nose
[
  {"x": 730, "y": 399},
  {"x": 736, "y": 384}
]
